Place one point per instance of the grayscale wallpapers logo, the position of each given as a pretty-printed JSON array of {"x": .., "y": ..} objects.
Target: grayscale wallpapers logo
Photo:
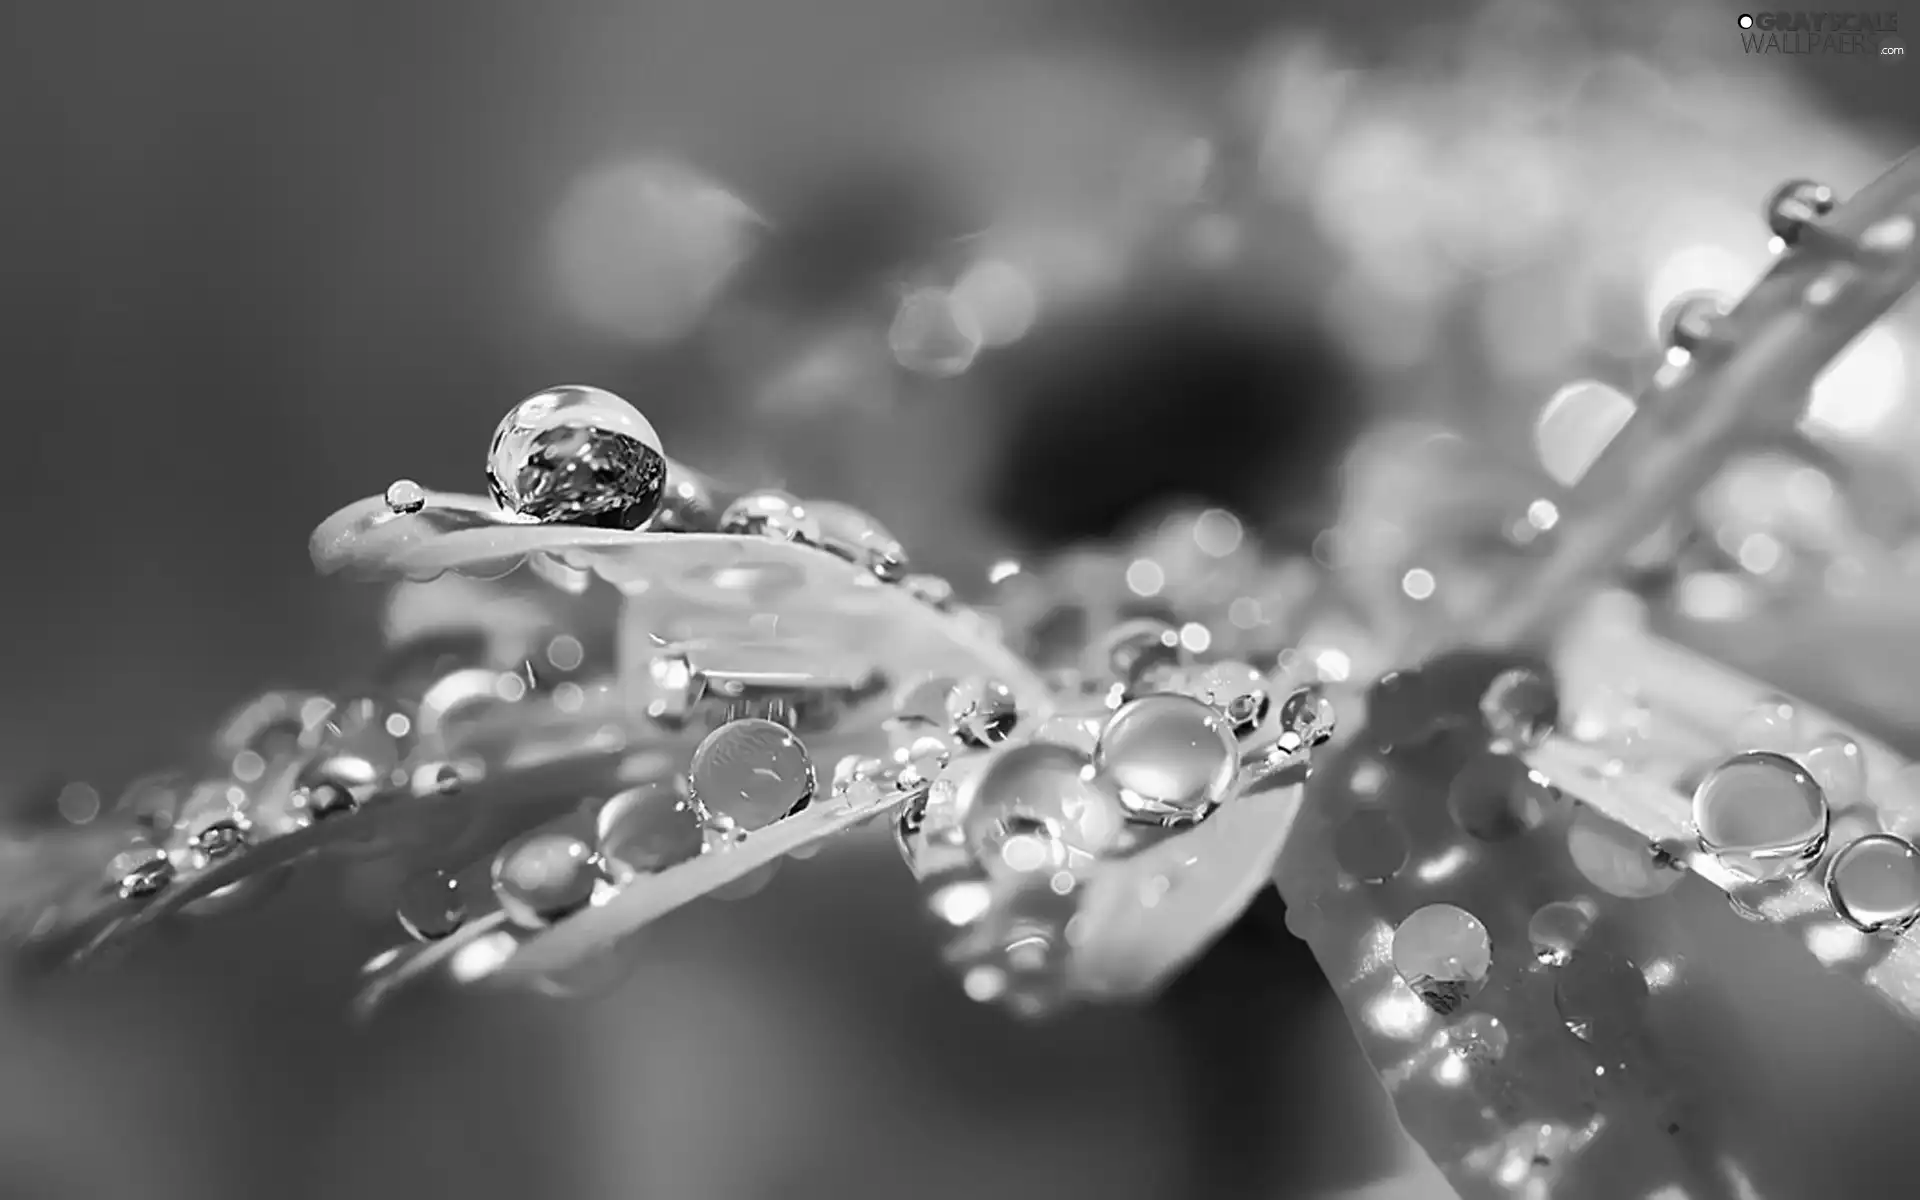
[{"x": 1862, "y": 34}]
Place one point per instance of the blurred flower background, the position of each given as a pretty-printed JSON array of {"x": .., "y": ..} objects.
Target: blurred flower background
[{"x": 1009, "y": 276}]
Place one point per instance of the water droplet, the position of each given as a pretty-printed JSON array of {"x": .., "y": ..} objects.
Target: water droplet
[
  {"x": 440, "y": 778},
  {"x": 219, "y": 837},
  {"x": 1444, "y": 954},
  {"x": 1521, "y": 708},
  {"x": 648, "y": 828},
  {"x": 1238, "y": 690},
  {"x": 1038, "y": 807},
  {"x": 931, "y": 590},
  {"x": 1478, "y": 1038},
  {"x": 1172, "y": 758},
  {"x": 770, "y": 514},
  {"x": 577, "y": 456},
  {"x": 982, "y": 712},
  {"x": 1307, "y": 717},
  {"x": 687, "y": 505},
  {"x": 1557, "y": 929},
  {"x": 1617, "y": 860},
  {"x": 1773, "y": 725},
  {"x": 931, "y": 335},
  {"x": 323, "y": 800},
  {"x": 859, "y": 538},
  {"x": 1761, "y": 814},
  {"x": 405, "y": 496},
  {"x": 1370, "y": 845},
  {"x": 752, "y": 771},
  {"x": 1838, "y": 766},
  {"x": 1576, "y": 426},
  {"x": 1064, "y": 729},
  {"x": 1141, "y": 655},
  {"x": 543, "y": 878},
  {"x": 922, "y": 762},
  {"x": 925, "y": 701},
  {"x": 140, "y": 872},
  {"x": 1602, "y": 999},
  {"x": 1874, "y": 883},
  {"x": 432, "y": 906},
  {"x": 1495, "y": 797}
]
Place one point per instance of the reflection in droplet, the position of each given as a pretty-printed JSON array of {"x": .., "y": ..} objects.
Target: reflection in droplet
[
  {"x": 648, "y": 828},
  {"x": 1556, "y": 930},
  {"x": 858, "y": 538},
  {"x": 982, "y": 711},
  {"x": 1874, "y": 884},
  {"x": 1238, "y": 690},
  {"x": 1444, "y": 954},
  {"x": 1617, "y": 860},
  {"x": 1171, "y": 757},
  {"x": 140, "y": 872},
  {"x": 1761, "y": 814},
  {"x": 771, "y": 514},
  {"x": 544, "y": 877},
  {"x": 1602, "y": 999},
  {"x": 1838, "y": 766},
  {"x": 1370, "y": 845},
  {"x": 1038, "y": 807},
  {"x": 1141, "y": 655},
  {"x": 432, "y": 906},
  {"x": 405, "y": 496},
  {"x": 1478, "y": 1038},
  {"x": 1307, "y": 718},
  {"x": 1520, "y": 707},
  {"x": 752, "y": 771},
  {"x": 577, "y": 456},
  {"x": 1495, "y": 797}
]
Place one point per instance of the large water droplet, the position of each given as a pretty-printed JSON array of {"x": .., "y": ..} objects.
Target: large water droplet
[
  {"x": 432, "y": 906},
  {"x": 1370, "y": 845},
  {"x": 1617, "y": 860},
  {"x": 1761, "y": 814},
  {"x": 1521, "y": 708},
  {"x": 1236, "y": 689},
  {"x": 1444, "y": 954},
  {"x": 1838, "y": 766},
  {"x": 1039, "y": 807},
  {"x": 1874, "y": 883},
  {"x": 1602, "y": 998},
  {"x": 1082, "y": 732},
  {"x": 1556, "y": 930},
  {"x": 982, "y": 711},
  {"x": 577, "y": 456},
  {"x": 1172, "y": 758},
  {"x": 648, "y": 828},
  {"x": 751, "y": 771},
  {"x": 543, "y": 878},
  {"x": 1495, "y": 797}
]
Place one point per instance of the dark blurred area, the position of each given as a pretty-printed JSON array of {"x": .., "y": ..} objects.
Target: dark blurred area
[{"x": 262, "y": 258}]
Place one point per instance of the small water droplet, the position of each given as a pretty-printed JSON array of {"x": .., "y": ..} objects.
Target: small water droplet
[
  {"x": 1038, "y": 807},
  {"x": 405, "y": 496},
  {"x": 858, "y": 538},
  {"x": 648, "y": 828},
  {"x": 1444, "y": 955},
  {"x": 1370, "y": 845},
  {"x": 1602, "y": 999},
  {"x": 1495, "y": 797},
  {"x": 432, "y": 906},
  {"x": 140, "y": 872},
  {"x": 1172, "y": 758},
  {"x": 543, "y": 878},
  {"x": 1576, "y": 426},
  {"x": 752, "y": 771},
  {"x": 982, "y": 711},
  {"x": 577, "y": 456},
  {"x": 922, "y": 762},
  {"x": 1556, "y": 930},
  {"x": 1307, "y": 717},
  {"x": 1521, "y": 708},
  {"x": 1761, "y": 814},
  {"x": 1236, "y": 689},
  {"x": 770, "y": 514},
  {"x": 1773, "y": 725},
  {"x": 932, "y": 335},
  {"x": 1874, "y": 884},
  {"x": 1479, "y": 1038},
  {"x": 324, "y": 800},
  {"x": 1141, "y": 655},
  {"x": 1838, "y": 766},
  {"x": 1617, "y": 860},
  {"x": 219, "y": 837}
]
